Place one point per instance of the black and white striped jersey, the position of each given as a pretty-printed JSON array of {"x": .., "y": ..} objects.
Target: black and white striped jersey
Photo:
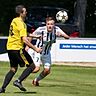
[{"x": 48, "y": 38}]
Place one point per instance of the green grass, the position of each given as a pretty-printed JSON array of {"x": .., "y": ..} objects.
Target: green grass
[{"x": 63, "y": 81}]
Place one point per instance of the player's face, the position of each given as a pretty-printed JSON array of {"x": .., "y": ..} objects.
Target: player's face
[
  {"x": 23, "y": 14},
  {"x": 50, "y": 25}
]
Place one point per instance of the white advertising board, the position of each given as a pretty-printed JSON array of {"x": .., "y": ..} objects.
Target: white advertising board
[{"x": 74, "y": 50}]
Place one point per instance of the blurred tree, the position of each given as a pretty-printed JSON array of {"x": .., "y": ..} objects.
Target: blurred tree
[
  {"x": 79, "y": 15},
  {"x": 91, "y": 19}
]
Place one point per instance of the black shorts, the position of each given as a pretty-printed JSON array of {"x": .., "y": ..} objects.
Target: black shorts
[{"x": 19, "y": 57}]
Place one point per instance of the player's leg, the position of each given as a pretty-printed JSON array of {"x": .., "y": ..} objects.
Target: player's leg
[
  {"x": 36, "y": 59},
  {"x": 46, "y": 60},
  {"x": 42, "y": 75},
  {"x": 13, "y": 69},
  {"x": 30, "y": 67},
  {"x": 7, "y": 79},
  {"x": 31, "y": 52}
]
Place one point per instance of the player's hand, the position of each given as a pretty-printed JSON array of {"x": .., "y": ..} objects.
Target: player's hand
[
  {"x": 26, "y": 48},
  {"x": 38, "y": 50},
  {"x": 67, "y": 37}
]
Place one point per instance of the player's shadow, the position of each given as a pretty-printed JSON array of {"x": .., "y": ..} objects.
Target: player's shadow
[
  {"x": 52, "y": 85},
  {"x": 25, "y": 92}
]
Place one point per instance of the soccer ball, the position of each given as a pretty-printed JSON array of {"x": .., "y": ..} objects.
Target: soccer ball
[{"x": 62, "y": 16}]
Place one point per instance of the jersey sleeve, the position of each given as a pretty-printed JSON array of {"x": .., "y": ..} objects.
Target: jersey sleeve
[
  {"x": 37, "y": 31},
  {"x": 59, "y": 30}
]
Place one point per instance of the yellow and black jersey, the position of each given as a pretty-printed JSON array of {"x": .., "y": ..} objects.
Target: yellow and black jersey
[{"x": 17, "y": 30}]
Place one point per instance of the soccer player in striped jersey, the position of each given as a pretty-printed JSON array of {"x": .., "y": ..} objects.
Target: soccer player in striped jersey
[
  {"x": 16, "y": 52},
  {"x": 48, "y": 35}
]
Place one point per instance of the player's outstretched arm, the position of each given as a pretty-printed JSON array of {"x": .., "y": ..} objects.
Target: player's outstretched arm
[
  {"x": 61, "y": 33},
  {"x": 65, "y": 36}
]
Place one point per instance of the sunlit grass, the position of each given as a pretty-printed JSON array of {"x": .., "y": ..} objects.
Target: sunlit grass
[{"x": 63, "y": 81}]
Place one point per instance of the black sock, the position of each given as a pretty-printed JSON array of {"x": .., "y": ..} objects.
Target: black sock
[
  {"x": 8, "y": 78},
  {"x": 26, "y": 73}
]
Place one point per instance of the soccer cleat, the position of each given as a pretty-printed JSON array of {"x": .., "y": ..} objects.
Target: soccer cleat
[
  {"x": 35, "y": 83},
  {"x": 19, "y": 85},
  {"x": 2, "y": 90}
]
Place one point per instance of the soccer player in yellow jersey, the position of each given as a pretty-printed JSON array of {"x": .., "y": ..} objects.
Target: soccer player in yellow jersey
[{"x": 17, "y": 54}]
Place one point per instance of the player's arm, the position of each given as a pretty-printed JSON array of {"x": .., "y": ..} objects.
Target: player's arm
[
  {"x": 34, "y": 36},
  {"x": 61, "y": 33},
  {"x": 23, "y": 35},
  {"x": 29, "y": 44},
  {"x": 27, "y": 47},
  {"x": 65, "y": 35}
]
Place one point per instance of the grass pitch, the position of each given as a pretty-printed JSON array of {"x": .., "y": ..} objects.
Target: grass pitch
[{"x": 63, "y": 81}]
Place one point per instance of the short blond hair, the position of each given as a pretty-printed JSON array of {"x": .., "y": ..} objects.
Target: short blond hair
[{"x": 50, "y": 18}]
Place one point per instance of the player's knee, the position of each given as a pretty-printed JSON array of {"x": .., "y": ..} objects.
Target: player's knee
[
  {"x": 14, "y": 69},
  {"x": 47, "y": 70}
]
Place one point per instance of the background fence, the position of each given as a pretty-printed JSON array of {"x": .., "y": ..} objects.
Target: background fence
[{"x": 72, "y": 50}]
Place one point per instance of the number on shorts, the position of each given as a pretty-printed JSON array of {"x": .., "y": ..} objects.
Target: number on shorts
[{"x": 37, "y": 59}]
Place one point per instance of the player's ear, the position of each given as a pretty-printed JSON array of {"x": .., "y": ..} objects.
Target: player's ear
[{"x": 22, "y": 11}]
